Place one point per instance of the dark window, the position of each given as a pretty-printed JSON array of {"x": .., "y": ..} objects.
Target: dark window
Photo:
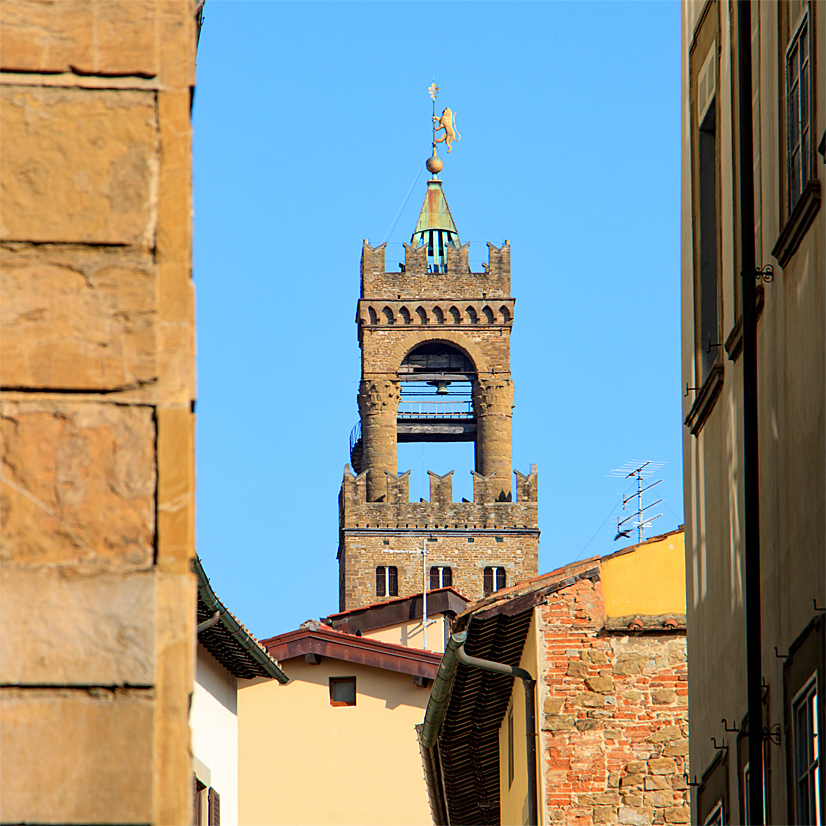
[
  {"x": 708, "y": 299},
  {"x": 441, "y": 576},
  {"x": 214, "y": 808},
  {"x": 494, "y": 579},
  {"x": 387, "y": 581},
  {"x": 806, "y": 753},
  {"x": 798, "y": 111},
  {"x": 342, "y": 691}
]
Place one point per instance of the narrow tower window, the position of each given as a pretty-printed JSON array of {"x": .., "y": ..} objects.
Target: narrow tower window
[
  {"x": 387, "y": 581},
  {"x": 441, "y": 576},
  {"x": 494, "y": 579}
]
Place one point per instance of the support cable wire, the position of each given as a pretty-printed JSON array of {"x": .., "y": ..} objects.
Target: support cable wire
[{"x": 404, "y": 203}]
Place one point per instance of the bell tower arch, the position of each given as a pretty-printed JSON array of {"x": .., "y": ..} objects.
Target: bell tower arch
[{"x": 435, "y": 367}]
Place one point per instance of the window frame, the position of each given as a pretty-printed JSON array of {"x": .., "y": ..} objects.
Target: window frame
[
  {"x": 495, "y": 572},
  {"x": 810, "y": 689},
  {"x": 803, "y": 665},
  {"x": 795, "y": 184},
  {"x": 334, "y": 681},
  {"x": 440, "y": 571},
  {"x": 704, "y": 96},
  {"x": 387, "y": 581}
]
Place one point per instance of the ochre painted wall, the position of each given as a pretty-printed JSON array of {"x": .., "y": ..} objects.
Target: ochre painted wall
[
  {"x": 513, "y": 797},
  {"x": 648, "y": 580},
  {"x": 303, "y": 761}
]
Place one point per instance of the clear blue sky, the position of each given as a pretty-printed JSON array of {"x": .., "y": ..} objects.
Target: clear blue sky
[{"x": 311, "y": 121}]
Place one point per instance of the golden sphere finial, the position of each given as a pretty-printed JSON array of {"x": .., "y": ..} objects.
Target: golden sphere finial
[{"x": 434, "y": 163}]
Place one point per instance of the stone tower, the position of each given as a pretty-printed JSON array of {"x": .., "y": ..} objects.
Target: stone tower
[{"x": 430, "y": 335}]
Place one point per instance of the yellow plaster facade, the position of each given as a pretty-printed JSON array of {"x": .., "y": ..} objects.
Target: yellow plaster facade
[
  {"x": 649, "y": 580},
  {"x": 322, "y": 764}
]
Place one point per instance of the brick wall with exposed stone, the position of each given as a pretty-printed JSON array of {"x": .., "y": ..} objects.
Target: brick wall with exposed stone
[{"x": 614, "y": 730}]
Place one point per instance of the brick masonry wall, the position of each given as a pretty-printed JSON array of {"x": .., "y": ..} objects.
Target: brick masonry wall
[
  {"x": 97, "y": 343},
  {"x": 614, "y": 712}
]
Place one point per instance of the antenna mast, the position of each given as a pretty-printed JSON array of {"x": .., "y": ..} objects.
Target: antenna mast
[{"x": 640, "y": 471}]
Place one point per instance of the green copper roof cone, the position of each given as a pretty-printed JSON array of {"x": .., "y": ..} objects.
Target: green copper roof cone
[{"x": 435, "y": 215}]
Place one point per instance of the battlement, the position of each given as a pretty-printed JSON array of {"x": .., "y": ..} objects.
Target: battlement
[
  {"x": 415, "y": 282},
  {"x": 395, "y": 511}
]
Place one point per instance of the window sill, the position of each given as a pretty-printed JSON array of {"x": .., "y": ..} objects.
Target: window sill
[
  {"x": 734, "y": 342},
  {"x": 799, "y": 221},
  {"x": 706, "y": 397}
]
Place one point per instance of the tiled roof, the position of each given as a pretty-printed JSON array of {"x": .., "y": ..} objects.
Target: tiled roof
[
  {"x": 229, "y": 641},
  {"x": 315, "y": 638}
]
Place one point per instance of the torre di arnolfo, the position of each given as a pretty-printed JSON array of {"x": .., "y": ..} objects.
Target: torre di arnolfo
[{"x": 435, "y": 367}]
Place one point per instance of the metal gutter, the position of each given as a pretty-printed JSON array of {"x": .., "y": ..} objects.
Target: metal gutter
[
  {"x": 240, "y": 634},
  {"x": 751, "y": 455},
  {"x": 429, "y": 734}
]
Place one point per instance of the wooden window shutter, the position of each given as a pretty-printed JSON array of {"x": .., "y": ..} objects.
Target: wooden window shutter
[
  {"x": 434, "y": 578},
  {"x": 500, "y": 578},
  {"x": 393, "y": 581},
  {"x": 214, "y": 808},
  {"x": 447, "y": 577},
  {"x": 487, "y": 582},
  {"x": 380, "y": 581}
]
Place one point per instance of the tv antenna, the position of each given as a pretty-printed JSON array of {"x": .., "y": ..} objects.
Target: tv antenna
[{"x": 640, "y": 472}]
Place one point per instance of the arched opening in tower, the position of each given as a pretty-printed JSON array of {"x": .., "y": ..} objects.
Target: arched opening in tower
[{"x": 436, "y": 424}]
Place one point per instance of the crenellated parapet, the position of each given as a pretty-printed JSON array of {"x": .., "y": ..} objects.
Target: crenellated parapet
[
  {"x": 435, "y": 312},
  {"x": 413, "y": 281},
  {"x": 394, "y": 511}
]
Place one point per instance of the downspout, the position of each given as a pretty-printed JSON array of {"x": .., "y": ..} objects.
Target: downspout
[
  {"x": 429, "y": 735},
  {"x": 751, "y": 478},
  {"x": 529, "y": 685}
]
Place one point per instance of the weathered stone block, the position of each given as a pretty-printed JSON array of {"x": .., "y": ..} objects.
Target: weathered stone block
[
  {"x": 665, "y": 734},
  {"x": 79, "y": 756},
  {"x": 633, "y": 696},
  {"x": 676, "y": 749},
  {"x": 78, "y": 485},
  {"x": 635, "y": 779},
  {"x": 605, "y": 814},
  {"x": 679, "y": 814},
  {"x": 656, "y": 783},
  {"x": 77, "y": 318},
  {"x": 594, "y": 656},
  {"x": 629, "y": 664},
  {"x": 553, "y": 705},
  {"x": 112, "y": 38},
  {"x": 577, "y": 669},
  {"x": 635, "y": 767},
  {"x": 599, "y": 799},
  {"x": 588, "y": 725},
  {"x": 662, "y": 765},
  {"x": 600, "y": 684},
  {"x": 663, "y": 696},
  {"x": 559, "y": 722},
  {"x": 78, "y": 165},
  {"x": 635, "y": 816},
  {"x": 87, "y": 630},
  {"x": 589, "y": 700}
]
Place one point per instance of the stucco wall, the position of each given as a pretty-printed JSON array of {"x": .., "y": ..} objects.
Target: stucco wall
[
  {"x": 303, "y": 761},
  {"x": 214, "y": 722},
  {"x": 791, "y": 355},
  {"x": 410, "y": 633}
]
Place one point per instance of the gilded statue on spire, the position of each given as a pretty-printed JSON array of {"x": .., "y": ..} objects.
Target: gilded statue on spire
[{"x": 447, "y": 122}]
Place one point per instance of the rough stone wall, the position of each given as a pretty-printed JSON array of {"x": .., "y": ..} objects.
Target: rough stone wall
[
  {"x": 614, "y": 740},
  {"x": 469, "y": 535},
  {"x": 97, "y": 346}
]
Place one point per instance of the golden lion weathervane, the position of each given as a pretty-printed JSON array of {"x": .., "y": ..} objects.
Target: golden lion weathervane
[{"x": 447, "y": 122}]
